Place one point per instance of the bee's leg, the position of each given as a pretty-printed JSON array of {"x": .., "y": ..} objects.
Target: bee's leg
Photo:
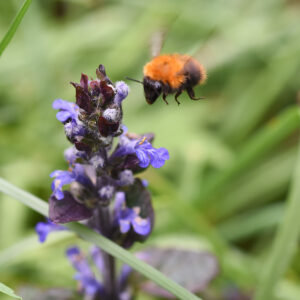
[
  {"x": 164, "y": 96},
  {"x": 177, "y": 95},
  {"x": 191, "y": 94}
]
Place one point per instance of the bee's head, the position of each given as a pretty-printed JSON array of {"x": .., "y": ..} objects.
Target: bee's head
[{"x": 152, "y": 89}]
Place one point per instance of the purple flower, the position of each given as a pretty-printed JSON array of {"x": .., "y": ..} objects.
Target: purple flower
[
  {"x": 123, "y": 282},
  {"x": 143, "y": 150},
  {"x": 44, "y": 228},
  {"x": 71, "y": 154},
  {"x": 130, "y": 217},
  {"x": 66, "y": 177},
  {"x": 98, "y": 259},
  {"x": 122, "y": 92},
  {"x": 67, "y": 110},
  {"x": 61, "y": 178},
  {"x": 145, "y": 182},
  {"x": 89, "y": 284},
  {"x": 124, "y": 275}
]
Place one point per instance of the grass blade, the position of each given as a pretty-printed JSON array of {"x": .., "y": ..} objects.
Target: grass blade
[
  {"x": 265, "y": 141},
  {"x": 102, "y": 242},
  {"x": 8, "y": 291},
  {"x": 285, "y": 242},
  {"x": 26, "y": 198},
  {"x": 28, "y": 245},
  {"x": 249, "y": 223},
  {"x": 262, "y": 94},
  {"x": 14, "y": 26},
  {"x": 255, "y": 187}
]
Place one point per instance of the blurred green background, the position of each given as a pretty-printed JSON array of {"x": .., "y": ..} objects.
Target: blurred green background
[{"x": 232, "y": 155}]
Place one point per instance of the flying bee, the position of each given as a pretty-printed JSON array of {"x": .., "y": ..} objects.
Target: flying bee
[{"x": 171, "y": 74}]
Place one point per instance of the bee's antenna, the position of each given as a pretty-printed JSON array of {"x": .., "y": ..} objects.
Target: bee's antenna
[{"x": 134, "y": 80}]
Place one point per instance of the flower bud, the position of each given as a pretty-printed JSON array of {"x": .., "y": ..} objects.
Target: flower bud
[
  {"x": 109, "y": 121},
  {"x": 126, "y": 178},
  {"x": 107, "y": 92},
  {"x": 83, "y": 99},
  {"x": 122, "y": 92}
]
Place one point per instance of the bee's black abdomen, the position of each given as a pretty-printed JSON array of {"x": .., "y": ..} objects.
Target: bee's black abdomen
[{"x": 193, "y": 74}]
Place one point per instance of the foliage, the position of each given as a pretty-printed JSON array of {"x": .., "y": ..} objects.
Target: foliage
[
  {"x": 8, "y": 291},
  {"x": 232, "y": 155}
]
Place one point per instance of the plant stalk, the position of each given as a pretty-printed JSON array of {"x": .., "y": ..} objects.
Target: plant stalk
[{"x": 109, "y": 276}]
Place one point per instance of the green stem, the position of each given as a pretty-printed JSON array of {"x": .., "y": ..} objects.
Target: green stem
[
  {"x": 285, "y": 242},
  {"x": 104, "y": 221},
  {"x": 14, "y": 26}
]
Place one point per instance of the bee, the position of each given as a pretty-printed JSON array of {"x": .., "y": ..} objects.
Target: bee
[{"x": 172, "y": 74}]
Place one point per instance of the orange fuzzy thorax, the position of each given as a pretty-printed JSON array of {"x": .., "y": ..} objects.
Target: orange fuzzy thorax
[{"x": 169, "y": 69}]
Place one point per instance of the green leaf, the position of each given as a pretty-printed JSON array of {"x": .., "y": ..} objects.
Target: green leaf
[
  {"x": 255, "y": 186},
  {"x": 261, "y": 144},
  {"x": 249, "y": 223},
  {"x": 14, "y": 26},
  {"x": 285, "y": 242},
  {"x": 26, "y": 198},
  {"x": 102, "y": 242},
  {"x": 8, "y": 291},
  {"x": 262, "y": 93}
]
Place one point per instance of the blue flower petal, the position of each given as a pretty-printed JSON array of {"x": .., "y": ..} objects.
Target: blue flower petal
[
  {"x": 60, "y": 104},
  {"x": 124, "y": 225},
  {"x": 145, "y": 182},
  {"x": 67, "y": 110},
  {"x": 154, "y": 158},
  {"x": 143, "y": 158},
  {"x": 98, "y": 259},
  {"x": 144, "y": 151},
  {"x": 59, "y": 195},
  {"x": 89, "y": 284},
  {"x": 163, "y": 153},
  {"x": 141, "y": 226},
  {"x": 44, "y": 228},
  {"x": 78, "y": 261},
  {"x": 62, "y": 178},
  {"x": 63, "y": 116},
  {"x": 119, "y": 201}
]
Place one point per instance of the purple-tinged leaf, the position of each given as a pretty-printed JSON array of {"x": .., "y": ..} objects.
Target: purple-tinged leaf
[
  {"x": 234, "y": 293},
  {"x": 191, "y": 269},
  {"x": 67, "y": 209}
]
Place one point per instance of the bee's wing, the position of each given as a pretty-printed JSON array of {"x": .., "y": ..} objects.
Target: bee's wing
[{"x": 156, "y": 42}]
